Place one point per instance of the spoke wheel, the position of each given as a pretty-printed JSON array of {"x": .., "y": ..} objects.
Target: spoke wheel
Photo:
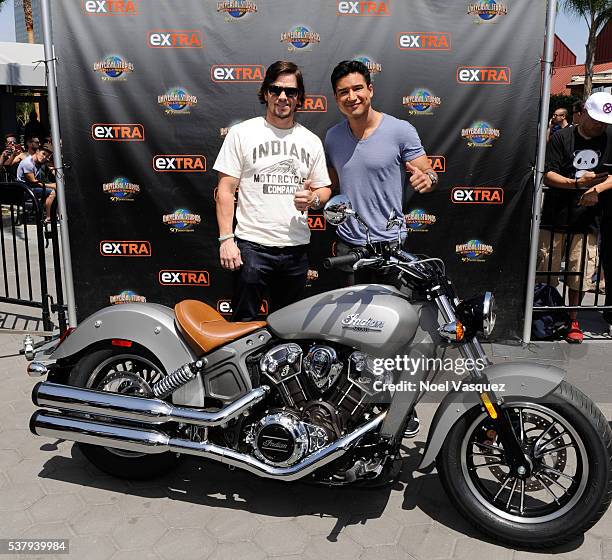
[{"x": 565, "y": 491}]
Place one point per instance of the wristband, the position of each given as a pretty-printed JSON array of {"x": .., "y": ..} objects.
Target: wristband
[{"x": 225, "y": 237}]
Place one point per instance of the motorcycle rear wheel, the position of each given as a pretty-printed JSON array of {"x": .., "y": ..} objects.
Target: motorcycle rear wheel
[
  {"x": 90, "y": 372},
  {"x": 569, "y": 489}
]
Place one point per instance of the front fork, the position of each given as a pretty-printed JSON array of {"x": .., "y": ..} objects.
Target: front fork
[{"x": 519, "y": 463}]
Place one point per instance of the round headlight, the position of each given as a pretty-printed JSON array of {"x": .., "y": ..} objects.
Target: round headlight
[{"x": 488, "y": 313}]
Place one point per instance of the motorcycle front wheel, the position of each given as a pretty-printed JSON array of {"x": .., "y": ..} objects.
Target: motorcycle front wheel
[
  {"x": 126, "y": 372},
  {"x": 569, "y": 445}
]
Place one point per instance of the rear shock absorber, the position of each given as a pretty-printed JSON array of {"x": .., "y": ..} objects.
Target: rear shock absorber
[{"x": 175, "y": 380}]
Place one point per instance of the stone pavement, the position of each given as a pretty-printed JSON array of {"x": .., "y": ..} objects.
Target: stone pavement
[{"x": 205, "y": 511}]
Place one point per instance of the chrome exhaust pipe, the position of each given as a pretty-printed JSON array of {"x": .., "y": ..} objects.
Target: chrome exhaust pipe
[
  {"x": 150, "y": 441},
  {"x": 138, "y": 409}
]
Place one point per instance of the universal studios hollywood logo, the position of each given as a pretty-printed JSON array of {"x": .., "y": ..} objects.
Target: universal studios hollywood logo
[
  {"x": 235, "y": 10},
  {"x": 181, "y": 221},
  {"x": 127, "y": 296},
  {"x": 418, "y": 220},
  {"x": 121, "y": 189},
  {"x": 480, "y": 135},
  {"x": 177, "y": 101},
  {"x": 300, "y": 38},
  {"x": 421, "y": 102},
  {"x": 487, "y": 11},
  {"x": 113, "y": 68},
  {"x": 474, "y": 251}
]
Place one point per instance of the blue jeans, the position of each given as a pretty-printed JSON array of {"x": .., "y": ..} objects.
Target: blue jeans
[{"x": 277, "y": 274}]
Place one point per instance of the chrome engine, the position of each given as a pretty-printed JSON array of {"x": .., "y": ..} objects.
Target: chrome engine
[{"x": 322, "y": 397}]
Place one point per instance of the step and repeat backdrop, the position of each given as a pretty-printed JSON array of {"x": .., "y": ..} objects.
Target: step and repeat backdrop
[{"x": 149, "y": 89}]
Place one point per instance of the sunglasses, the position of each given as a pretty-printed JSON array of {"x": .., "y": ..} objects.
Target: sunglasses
[{"x": 290, "y": 92}]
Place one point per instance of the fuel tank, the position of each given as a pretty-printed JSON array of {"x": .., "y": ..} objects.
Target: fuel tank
[{"x": 376, "y": 319}]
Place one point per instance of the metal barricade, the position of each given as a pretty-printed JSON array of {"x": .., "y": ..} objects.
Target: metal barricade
[{"x": 25, "y": 276}]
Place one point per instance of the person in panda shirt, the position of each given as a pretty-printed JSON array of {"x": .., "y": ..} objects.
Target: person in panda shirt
[{"x": 577, "y": 175}]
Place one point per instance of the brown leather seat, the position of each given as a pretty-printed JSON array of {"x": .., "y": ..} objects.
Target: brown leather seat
[{"x": 205, "y": 329}]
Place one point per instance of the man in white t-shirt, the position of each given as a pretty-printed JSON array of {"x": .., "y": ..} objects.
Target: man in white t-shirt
[{"x": 280, "y": 168}]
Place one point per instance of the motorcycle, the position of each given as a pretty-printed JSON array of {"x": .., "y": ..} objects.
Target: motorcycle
[{"x": 317, "y": 393}]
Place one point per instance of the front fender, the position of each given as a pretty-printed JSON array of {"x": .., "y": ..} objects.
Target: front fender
[
  {"x": 524, "y": 379},
  {"x": 149, "y": 324}
]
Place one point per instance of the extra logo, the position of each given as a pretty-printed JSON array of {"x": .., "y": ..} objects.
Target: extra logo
[
  {"x": 184, "y": 278},
  {"x": 483, "y": 75},
  {"x": 317, "y": 222},
  {"x": 114, "y": 132},
  {"x": 421, "y": 102},
  {"x": 480, "y": 135},
  {"x": 474, "y": 251},
  {"x": 437, "y": 163},
  {"x": 181, "y": 221},
  {"x": 300, "y": 38},
  {"x": 179, "y": 163},
  {"x": 127, "y": 296},
  {"x": 371, "y": 65},
  {"x": 237, "y": 73},
  {"x": 110, "y": 7},
  {"x": 487, "y": 11},
  {"x": 175, "y": 39},
  {"x": 177, "y": 101},
  {"x": 477, "y": 195},
  {"x": 424, "y": 41},
  {"x": 113, "y": 68},
  {"x": 125, "y": 248},
  {"x": 121, "y": 190},
  {"x": 361, "y": 8},
  {"x": 418, "y": 220},
  {"x": 224, "y": 306},
  {"x": 236, "y": 10},
  {"x": 314, "y": 104}
]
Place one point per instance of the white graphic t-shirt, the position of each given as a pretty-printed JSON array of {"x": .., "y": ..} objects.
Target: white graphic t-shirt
[{"x": 272, "y": 163}]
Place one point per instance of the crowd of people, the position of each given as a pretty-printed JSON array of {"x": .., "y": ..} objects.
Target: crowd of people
[{"x": 576, "y": 226}]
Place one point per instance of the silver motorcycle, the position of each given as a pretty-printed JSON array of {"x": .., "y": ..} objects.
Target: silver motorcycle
[{"x": 321, "y": 392}]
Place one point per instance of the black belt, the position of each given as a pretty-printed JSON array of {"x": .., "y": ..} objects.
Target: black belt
[{"x": 290, "y": 249}]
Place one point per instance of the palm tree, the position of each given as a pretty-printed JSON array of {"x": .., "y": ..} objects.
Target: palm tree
[{"x": 596, "y": 13}]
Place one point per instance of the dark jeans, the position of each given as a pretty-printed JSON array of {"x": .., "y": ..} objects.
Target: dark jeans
[
  {"x": 350, "y": 277},
  {"x": 277, "y": 274}
]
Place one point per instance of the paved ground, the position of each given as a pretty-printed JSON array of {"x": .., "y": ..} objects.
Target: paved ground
[{"x": 48, "y": 490}]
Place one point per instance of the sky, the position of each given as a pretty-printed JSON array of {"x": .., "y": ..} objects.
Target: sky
[{"x": 572, "y": 31}]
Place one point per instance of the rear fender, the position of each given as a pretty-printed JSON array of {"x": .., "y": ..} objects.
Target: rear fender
[{"x": 524, "y": 379}]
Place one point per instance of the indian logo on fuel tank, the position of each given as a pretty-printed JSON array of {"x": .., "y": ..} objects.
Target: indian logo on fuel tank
[
  {"x": 487, "y": 11},
  {"x": 236, "y": 10},
  {"x": 131, "y": 248},
  {"x": 421, "y": 102},
  {"x": 474, "y": 251},
  {"x": 175, "y": 39},
  {"x": 371, "y": 65},
  {"x": 179, "y": 163},
  {"x": 237, "y": 73},
  {"x": 483, "y": 75},
  {"x": 121, "y": 190},
  {"x": 184, "y": 278},
  {"x": 363, "y": 8},
  {"x": 300, "y": 38},
  {"x": 177, "y": 101},
  {"x": 110, "y": 7},
  {"x": 224, "y": 306},
  {"x": 480, "y": 135},
  {"x": 314, "y": 104},
  {"x": 116, "y": 132},
  {"x": 424, "y": 41},
  {"x": 127, "y": 296},
  {"x": 113, "y": 68},
  {"x": 418, "y": 220},
  {"x": 181, "y": 221}
]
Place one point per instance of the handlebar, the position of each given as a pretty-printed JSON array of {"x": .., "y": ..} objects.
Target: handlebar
[{"x": 349, "y": 259}]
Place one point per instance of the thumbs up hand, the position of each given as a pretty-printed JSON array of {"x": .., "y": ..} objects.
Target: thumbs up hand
[
  {"x": 303, "y": 199},
  {"x": 420, "y": 181}
]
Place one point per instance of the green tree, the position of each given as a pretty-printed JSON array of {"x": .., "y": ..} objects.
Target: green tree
[{"x": 596, "y": 13}]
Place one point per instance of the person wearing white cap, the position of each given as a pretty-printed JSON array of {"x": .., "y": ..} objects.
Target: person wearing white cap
[{"x": 576, "y": 175}]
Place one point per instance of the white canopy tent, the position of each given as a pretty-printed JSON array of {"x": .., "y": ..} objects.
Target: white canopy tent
[{"x": 18, "y": 66}]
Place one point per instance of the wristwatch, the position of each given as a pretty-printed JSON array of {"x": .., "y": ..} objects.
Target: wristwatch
[
  {"x": 433, "y": 176},
  {"x": 316, "y": 202}
]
